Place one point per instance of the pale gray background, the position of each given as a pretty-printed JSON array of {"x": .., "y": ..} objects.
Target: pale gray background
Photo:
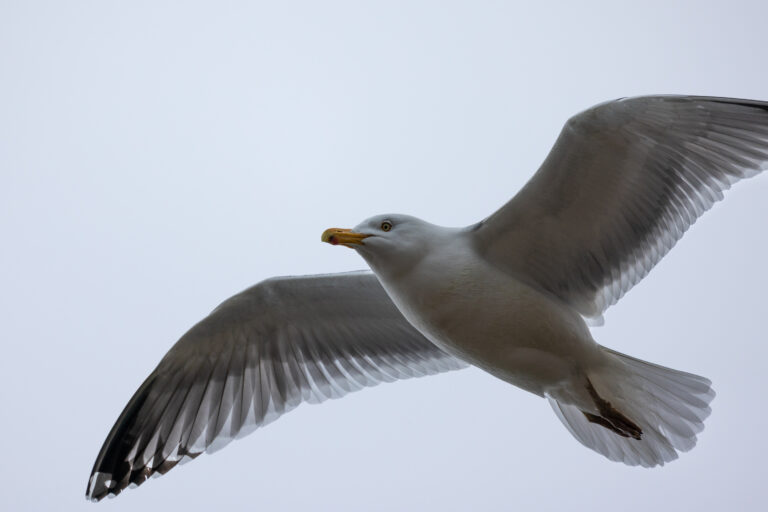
[{"x": 158, "y": 157}]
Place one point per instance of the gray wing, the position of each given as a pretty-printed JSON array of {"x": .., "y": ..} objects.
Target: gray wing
[
  {"x": 258, "y": 355},
  {"x": 622, "y": 184}
]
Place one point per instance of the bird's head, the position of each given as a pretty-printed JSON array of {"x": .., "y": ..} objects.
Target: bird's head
[{"x": 386, "y": 241}]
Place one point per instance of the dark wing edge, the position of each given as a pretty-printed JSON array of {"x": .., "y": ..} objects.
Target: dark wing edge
[{"x": 258, "y": 355}]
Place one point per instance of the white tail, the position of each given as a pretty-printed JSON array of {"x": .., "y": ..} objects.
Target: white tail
[{"x": 668, "y": 406}]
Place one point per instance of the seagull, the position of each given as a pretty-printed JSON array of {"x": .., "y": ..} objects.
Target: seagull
[{"x": 513, "y": 295}]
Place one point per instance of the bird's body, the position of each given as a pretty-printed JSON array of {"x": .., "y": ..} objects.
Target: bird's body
[
  {"x": 512, "y": 295},
  {"x": 521, "y": 335},
  {"x": 626, "y": 409}
]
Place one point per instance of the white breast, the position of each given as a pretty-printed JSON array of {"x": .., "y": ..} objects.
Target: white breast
[{"x": 490, "y": 319}]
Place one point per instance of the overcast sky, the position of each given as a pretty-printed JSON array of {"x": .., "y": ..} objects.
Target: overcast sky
[{"x": 157, "y": 157}]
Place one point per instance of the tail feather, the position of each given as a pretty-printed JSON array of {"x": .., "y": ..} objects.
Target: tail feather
[{"x": 668, "y": 406}]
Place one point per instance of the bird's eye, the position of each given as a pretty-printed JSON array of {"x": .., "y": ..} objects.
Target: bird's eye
[{"x": 386, "y": 226}]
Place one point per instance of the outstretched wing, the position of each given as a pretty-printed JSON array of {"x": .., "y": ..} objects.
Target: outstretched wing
[
  {"x": 622, "y": 184},
  {"x": 258, "y": 355}
]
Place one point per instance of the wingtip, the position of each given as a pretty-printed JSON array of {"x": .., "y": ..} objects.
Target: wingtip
[{"x": 99, "y": 485}]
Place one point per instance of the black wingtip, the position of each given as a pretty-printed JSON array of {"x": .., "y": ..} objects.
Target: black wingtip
[
  {"x": 112, "y": 472},
  {"x": 760, "y": 105}
]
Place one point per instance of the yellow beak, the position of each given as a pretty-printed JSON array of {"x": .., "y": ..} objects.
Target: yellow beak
[{"x": 345, "y": 237}]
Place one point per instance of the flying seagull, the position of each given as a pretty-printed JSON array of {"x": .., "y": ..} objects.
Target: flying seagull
[{"x": 512, "y": 294}]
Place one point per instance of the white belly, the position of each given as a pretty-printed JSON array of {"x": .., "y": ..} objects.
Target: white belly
[{"x": 497, "y": 323}]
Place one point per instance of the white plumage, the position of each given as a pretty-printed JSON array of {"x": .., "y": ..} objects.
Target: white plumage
[{"x": 511, "y": 295}]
